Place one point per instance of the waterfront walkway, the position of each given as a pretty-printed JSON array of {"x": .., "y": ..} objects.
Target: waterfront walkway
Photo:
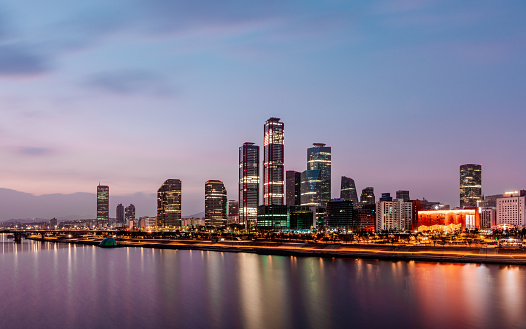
[{"x": 446, "y": 254}]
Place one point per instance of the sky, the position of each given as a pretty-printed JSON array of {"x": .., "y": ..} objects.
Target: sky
[{"x": 131, "y": 93}]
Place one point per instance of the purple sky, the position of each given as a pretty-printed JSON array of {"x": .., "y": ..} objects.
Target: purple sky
[{"x": 130, "y": 93}]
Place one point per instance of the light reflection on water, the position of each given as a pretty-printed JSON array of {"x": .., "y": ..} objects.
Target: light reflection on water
[{"x": 60, "y": 285}]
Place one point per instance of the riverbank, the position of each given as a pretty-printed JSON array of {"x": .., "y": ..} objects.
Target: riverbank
[{"x": 443, "y": 254}]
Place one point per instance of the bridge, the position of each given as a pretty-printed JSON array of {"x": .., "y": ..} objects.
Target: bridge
[{"x": 123, "y": 234}]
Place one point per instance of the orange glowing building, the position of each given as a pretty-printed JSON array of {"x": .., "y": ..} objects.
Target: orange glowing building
[{"x": 447, "y": 220}]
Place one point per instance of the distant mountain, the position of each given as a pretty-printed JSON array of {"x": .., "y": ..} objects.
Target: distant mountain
[
  {"x": 21, "y": 205},
  {"x": 198, "y": 215}
]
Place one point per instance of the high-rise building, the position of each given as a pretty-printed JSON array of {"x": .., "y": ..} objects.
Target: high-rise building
[
  {"x": 348, "y": 190},
  {"x": 293, "y": 188},
  {"x": 273, "y": 163},
  {"x": 169, "y": 204},
  {"x": 319, "y": 158},
  {"x": 248, "y": 184},
  {"x": 215, "y": 203},
  {"x": 103, "y": 205},
  {"x": 119, "y": 218},
  {"x": 470, "y": 185},
  {"x": 393, "y": 216},
  {"x": 402, "y": 195},
  {"x": 129, "y": 214},
  {"x": 367, "y": 196},
  {"x": 233, "y": 212},
  {"x": 310, "y": 191},
  {"x": 511, "y": 209}
]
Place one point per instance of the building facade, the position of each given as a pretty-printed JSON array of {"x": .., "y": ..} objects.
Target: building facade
[
  {"x": 319, "y": 158},
  {"x": 233, "y": 212},
  {"x": 248, "y": 184},
  {"x": 273, "y": 217},
  {"x": 215, "y": 203},
  {"x": 402, "y": 195},
  {"x": 447, "y": 220},
  {"x": 366, "y": 217},
  {"x": 340, "y": 215},
  {"x": 129, "y": 213},
  {"x": 470, "y": 185},
  {"x": 169, "y": 204},
  {"x": 119, "y": 217},
  {"x": 393, "y": 216},
  {"x": 273, "y": 163},
  {"x": 511, "y": 209},
  {"x": 348, "y": 190},
  {"x": 311, "y": 188},
  {"x": 103, "y": 205},
  {"x": 367, "y": 196},
  {"x": 293, "y": 185}
]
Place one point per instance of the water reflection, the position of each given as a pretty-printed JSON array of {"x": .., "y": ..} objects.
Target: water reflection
[{"x": 61, "y": 285}]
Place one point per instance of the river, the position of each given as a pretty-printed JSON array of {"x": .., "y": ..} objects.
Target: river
[{"x": 44, "y": 284}]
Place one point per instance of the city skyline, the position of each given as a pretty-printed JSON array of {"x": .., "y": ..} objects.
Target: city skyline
[{"x": 398, "y": 89}]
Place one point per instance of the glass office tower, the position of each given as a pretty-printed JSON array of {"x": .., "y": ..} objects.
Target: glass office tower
[
  {"x": 248, "y": 184},
  {"x": 215, "y": 203},
  {"x": 169, "y": 204},
  {"x": 273, "y": 163},
  {"x": 103, "y": 205},
  {"x": 470, "y": 185},
  {"x": 348, "y": 190},
  {"x": 319, "y": 158}
]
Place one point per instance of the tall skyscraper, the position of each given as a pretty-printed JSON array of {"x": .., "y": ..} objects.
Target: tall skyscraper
[
  {"x": 311, "y": 188},
  {"x": 348, "y": 190},
  {"x": 169, "y": 204},
  {"x": 319, "y": 158},
  {"x": 402, "y": 195},
  {"x": 215, "y": 203},
  {"x": 248, "y": 184},
  {"x": 129, "y": 214},
  {"x": 273, "y": 163},
  {"x": 293, "y": 184},
  {"x": 470, "y": 185},
  {"x": 367, "y": 196},
  {"x": 103, "y": 205},
  {"x": 119, "y": 218}
]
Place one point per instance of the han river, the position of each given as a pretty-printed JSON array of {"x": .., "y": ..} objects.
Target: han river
[{"x": 48, "y": 285}]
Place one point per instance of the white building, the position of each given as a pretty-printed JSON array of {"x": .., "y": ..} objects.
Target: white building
[
  {"x": 511, "y": 209},
  {"x": 393, "y": 215}
]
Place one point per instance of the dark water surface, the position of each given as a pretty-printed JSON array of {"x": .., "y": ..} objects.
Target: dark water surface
[{"x": 46, "y": 285}]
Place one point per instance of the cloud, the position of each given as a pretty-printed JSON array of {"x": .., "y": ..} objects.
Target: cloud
[
  {"x": 129, "y": 83},
  {"x": 16, "y": 60},
  {"x": 34, "y": 151}
]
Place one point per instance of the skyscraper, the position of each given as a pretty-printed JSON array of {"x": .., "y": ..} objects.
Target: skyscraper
[
  {"x": 319, "y": 158},
  {"x": 169, "y": 204},
  {"x": 248, "y": 184},
  {"x": 367, "y": 196},
  {"x": 470, "y": 185},
  {"x": 215, "y": 203},
  {"x": 348, "y": 190},
  {"x": 129, "y": 214},
  {"x": 273, "y": 163},
  {"x": 103, "y": 205},
  {"x": 311, "y": 192},
  {"x": 293, "y": 188},
  {"x": 119, "y": 218}
]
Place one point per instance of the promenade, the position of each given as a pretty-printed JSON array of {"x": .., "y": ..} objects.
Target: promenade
[{"x": 444, "y": 254}]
